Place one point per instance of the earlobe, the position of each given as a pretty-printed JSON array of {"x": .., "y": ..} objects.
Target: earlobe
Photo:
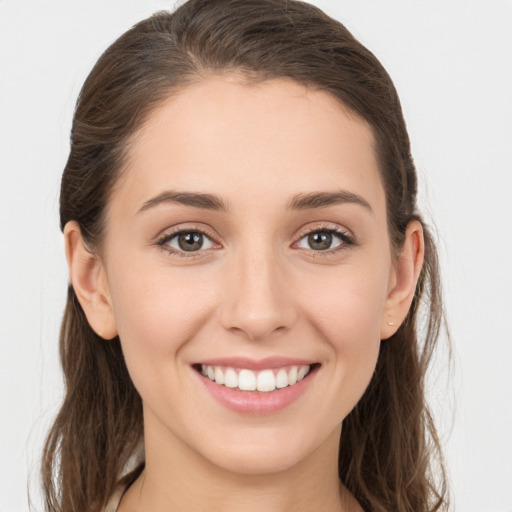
[
  {"x": 407, "y": 270},
  {"x": 89, "y": 281}
]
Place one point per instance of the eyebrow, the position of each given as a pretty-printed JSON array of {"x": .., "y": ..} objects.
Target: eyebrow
[
  {"x": 323, "y": 199},
  {"x": 197, "y": 200},
  {"x": 307, "y": 201}
]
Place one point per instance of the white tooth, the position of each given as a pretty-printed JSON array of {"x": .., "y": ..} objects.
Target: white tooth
[
  {"x": 219, "y": 376},
  {"x": 292, "y": 376},
  {"x": 266, "y": 381},
  {"x": 247, "y": 380},
  {"x": 211, "y": 373},
  {"x": 230, "y": 378},
  {"x": 204, "y": 370},
  {"x": 281, "y": 379},
  {"x": 303, "y": 371}
]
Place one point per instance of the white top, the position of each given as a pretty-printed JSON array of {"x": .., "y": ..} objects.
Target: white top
[{"x": 115, "y": 499}]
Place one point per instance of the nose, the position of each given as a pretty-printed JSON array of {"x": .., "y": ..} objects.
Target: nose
[{"x": 258, "y": 297}]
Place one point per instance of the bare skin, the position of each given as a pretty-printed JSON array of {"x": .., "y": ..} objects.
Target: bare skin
[
  {"x": 273, "y": 274},
  {"x": 233, "y": 492}
]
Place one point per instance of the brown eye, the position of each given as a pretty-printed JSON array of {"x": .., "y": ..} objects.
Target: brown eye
[
  {"x": 324, "y": 240},
  {"x": 190, "y": 241},
  {"x": 187, "y": 241},
  {"x": 320, "y": 241}
]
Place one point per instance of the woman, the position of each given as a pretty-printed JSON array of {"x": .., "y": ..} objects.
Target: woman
[{"x": 247, "y": 265}]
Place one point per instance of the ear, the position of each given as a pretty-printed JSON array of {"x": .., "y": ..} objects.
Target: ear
[
  {"x": 404, "y": 278},
  {"x": 89, "y": 280}
]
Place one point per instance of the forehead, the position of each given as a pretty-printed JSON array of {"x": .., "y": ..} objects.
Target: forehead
[{"x": 265, "y": 142}]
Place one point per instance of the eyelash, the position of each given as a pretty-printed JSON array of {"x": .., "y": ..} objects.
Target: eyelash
[
  {"x": 347, "y": 241},
  {"x": 165, "y": 239}
]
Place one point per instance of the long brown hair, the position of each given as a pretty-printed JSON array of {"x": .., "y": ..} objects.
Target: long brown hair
[{"x": 388, "y": 443}]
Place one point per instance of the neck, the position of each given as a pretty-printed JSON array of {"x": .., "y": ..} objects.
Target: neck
[{"x": 166, "y": 485}]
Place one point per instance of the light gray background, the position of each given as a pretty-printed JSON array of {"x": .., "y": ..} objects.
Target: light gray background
[{"x": 451, "y": 62}]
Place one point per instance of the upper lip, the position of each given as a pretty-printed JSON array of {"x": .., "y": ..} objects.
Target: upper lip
[{"x": 256, "y": 364}]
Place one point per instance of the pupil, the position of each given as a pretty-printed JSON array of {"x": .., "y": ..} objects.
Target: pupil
[
  {"x": 190, "y": 241},
  {"x": 320, "y": 241}
]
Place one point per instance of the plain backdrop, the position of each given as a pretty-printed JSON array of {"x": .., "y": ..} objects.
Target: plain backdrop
[{"x": 451, "y": 63}]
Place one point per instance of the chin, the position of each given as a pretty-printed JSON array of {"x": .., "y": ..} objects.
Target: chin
[
  {"x": 257, "y": 460},
  {"x": 267, "y": 451}
]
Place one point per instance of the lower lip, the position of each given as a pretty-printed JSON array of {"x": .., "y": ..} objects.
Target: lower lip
[{"x": 254, "y": 402}]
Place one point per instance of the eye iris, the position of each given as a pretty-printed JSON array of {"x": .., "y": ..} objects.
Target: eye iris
[
  {"x": 190, "y": 241},
  {"x": 320, "y": 241}
]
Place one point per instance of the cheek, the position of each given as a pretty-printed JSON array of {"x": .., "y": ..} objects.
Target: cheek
[
  {"x": 349, "y": 310},
  {"x": 345, "y": 305},
  {"x": 348, "y": 317},
  {"x": 158, "y": 311},
  {"x": 157, "y": 314}
]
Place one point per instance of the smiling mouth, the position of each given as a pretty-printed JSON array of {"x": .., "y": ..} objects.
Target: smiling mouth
[{"x": 264, "y": 381}]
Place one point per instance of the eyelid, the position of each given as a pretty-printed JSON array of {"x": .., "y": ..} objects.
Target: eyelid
[
  {"x": 348, "y": 239},
  {"x": 165, "y": 236}
]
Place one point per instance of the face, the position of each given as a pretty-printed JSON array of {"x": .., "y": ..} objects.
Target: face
[{"x": 247, "y": 240}]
